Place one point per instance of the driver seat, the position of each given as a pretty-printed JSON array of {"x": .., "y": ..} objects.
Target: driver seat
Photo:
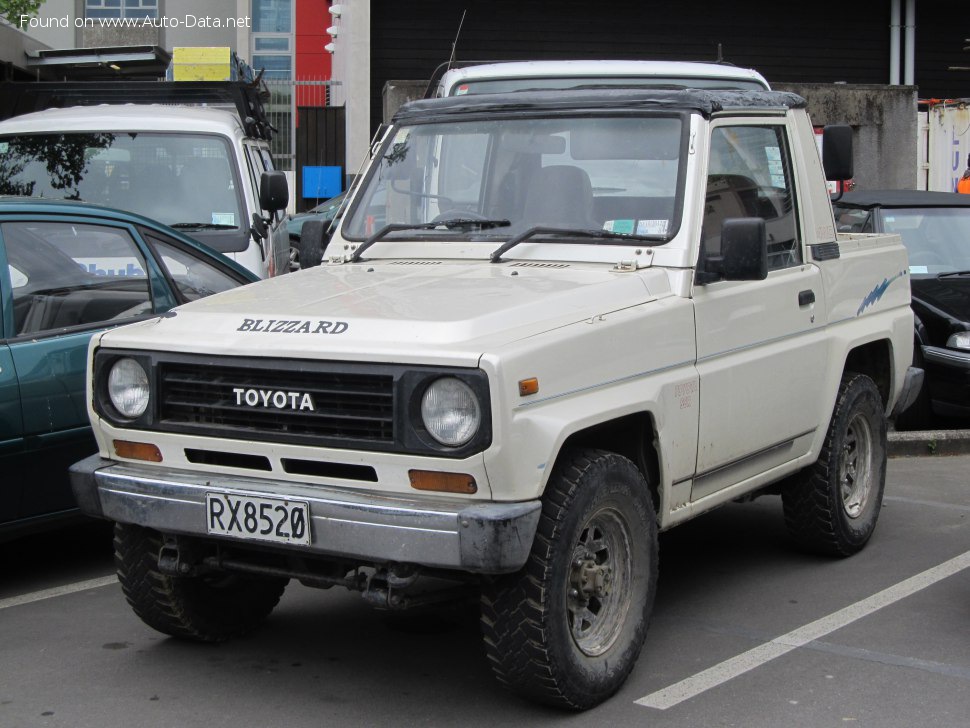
[{"x": 560, "y": 196}]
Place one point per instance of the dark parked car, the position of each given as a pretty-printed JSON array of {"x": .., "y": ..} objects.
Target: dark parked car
[
  {"x": 325, "y": 212},
  {"x": 935, "y": 227},
  {"x": 67, "y": 270}
]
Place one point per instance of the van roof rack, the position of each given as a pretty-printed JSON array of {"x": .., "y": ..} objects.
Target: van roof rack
[{"x": 246, "y": 98}]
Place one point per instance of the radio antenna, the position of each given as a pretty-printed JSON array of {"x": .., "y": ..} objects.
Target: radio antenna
[{"x": 454, "y": 46}]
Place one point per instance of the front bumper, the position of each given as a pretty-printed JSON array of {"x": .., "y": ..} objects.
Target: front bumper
[{"x": 487, "y": 538}]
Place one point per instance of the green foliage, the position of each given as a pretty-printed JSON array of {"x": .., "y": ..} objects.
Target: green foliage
[{"x": 11, "y": 10}]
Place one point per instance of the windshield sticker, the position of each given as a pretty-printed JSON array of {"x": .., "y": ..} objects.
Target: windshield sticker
[
  {"x": 918, "y": 269},
  {"x": 402, "y": 136},
  {"x": 223, "y": 218},
  {"x": 619, "y": 226},
  {"x": 652, "y": 227},
  {"x": 280, "y": 326},
  {"x": 773, "y": 153},
  {"x": 4, "y": 146},
  {"x": 462, "y": 90}
]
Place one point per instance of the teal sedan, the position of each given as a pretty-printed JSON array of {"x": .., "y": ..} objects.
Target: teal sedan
[{"x": 66, "y": 271}]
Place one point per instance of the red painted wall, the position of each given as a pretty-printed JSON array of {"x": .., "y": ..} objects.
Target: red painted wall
[{"x": 312, "y": 61}]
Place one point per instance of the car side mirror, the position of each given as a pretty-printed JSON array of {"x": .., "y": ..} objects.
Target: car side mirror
[
  {"x": 313, "y": 243},
  {"x": 744, "y": 253},
  {"x": 837, "y": 152},
  {"x": 274, "y": 193}
]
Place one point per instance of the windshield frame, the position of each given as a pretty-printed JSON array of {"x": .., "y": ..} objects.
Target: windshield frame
[{"x": 499, "y": 235}]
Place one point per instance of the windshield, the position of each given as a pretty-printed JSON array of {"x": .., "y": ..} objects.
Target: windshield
[
  {"x": 505, "y": 85},
  {"x": 935, "y": 237},
  {"x": 178, "y": 179},
  {"x": 617, "y": 174}
]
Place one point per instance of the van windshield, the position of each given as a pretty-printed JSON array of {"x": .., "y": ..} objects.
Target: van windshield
[
  {"x": 505, "y": 85},
  {"x": 616, "y": 174},
  {"x": 184, "y": 180}
]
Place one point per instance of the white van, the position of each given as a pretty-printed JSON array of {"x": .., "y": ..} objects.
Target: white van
[
  {"x": 489, "y": 78},
  {"x": 197, "y": 169}
]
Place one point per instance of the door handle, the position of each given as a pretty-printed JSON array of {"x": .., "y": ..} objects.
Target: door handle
[{"x": 806, "y": 298}]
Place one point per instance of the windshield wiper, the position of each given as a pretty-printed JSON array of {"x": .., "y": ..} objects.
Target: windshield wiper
[
  {"x": 451, "y": 224},
  {"x": 496, "y": 256},
  {"x": 202, "y": 226},
  {"x": 952, "y": 273}
]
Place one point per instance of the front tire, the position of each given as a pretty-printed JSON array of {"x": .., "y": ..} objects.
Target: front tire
[
  {"x": 567, "y": 629},
  {"x": 832, "y": 506},
  {"x": 211, "y": 608}
]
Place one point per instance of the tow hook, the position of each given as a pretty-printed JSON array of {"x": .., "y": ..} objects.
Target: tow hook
[{"x": 170, "y": 560}]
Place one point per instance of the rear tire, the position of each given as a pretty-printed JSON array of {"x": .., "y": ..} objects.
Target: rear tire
[
  {"x": 832, "y": 506},
  {"x": 567, "y": 629},
  {"x": 210, "y": 608}
]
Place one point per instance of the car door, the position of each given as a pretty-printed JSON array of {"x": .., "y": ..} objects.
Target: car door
[
  {"x": 761, "y": 350},
  {"x": 67, "y": 279},
  {"x": 278, "y": 242},
  {"x": 11, "y": 423}
]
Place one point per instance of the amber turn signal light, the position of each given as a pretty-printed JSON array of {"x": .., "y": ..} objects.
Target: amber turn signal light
[
  {"x": 528, "y": 386},
  {"x": 137, "y": 451},
  {"x": 442, "y": 482}
]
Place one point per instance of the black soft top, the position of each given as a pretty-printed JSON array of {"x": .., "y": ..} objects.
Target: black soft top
[
  {"x": 595, "y": 99},
  {"x": 867, "y": 199}
]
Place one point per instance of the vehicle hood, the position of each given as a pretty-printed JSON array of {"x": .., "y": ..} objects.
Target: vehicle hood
[
  {"x": 406, "y": 310},
  {"x": 947, "y": 296}
]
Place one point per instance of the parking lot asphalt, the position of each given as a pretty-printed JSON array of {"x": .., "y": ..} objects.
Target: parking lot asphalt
[{"x": 747, "y": 631}]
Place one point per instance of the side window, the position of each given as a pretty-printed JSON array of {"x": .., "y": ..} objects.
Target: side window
[
  {"x": 193, "y": 277},
  {"x": 749, "y": 175},
  {"x": 849, "y": 220},
  {"x": 73, "y": 274}
]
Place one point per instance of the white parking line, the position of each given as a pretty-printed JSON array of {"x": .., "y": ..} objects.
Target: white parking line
[
  {"x": 58, "y": 591},
  {"x": 746, "y": 661}
]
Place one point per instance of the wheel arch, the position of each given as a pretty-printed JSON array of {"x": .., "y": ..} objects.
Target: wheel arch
[
  {"x": 634, "y": 436},
  {"x": 875, "y": 360}
]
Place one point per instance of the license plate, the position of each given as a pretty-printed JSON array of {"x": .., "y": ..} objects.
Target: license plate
[{"x": 262, "y": 519}]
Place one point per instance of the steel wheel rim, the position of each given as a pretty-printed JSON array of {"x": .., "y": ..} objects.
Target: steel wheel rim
[
  {"x": 855, "y": 466},
  {"x": 599, "y": 582}
]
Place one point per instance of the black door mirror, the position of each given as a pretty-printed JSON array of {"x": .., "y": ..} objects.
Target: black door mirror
[
  {"x": 313, "y": 243},
  {"x": 837, "y": 152},
  {"x": 744, "y": 253},
  {"x": 274, "y": 194}
]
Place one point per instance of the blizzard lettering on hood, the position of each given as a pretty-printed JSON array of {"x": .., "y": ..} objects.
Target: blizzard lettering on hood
[{"x": 281, "y": 326}]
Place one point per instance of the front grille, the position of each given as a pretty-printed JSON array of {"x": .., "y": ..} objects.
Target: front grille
[{"x": 277, "y": 404}]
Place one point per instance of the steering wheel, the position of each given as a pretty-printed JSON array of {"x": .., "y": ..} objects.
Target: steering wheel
[{"x": 456, "y": 213}]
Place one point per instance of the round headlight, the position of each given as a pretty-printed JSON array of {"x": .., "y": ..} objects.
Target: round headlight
[
  {"x": 450, "y": 411},
  {"x": 128, "y": 388}
]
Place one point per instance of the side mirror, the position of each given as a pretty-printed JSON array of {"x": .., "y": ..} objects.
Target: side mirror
[
  {"x": 837, "y": 152},
  {"x": 744, "y": 253},
  {"x": 274, "y": 194},
  {"x": 313, "y": 242}
]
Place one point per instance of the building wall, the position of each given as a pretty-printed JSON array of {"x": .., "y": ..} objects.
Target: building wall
[
  {"x": 817, "y": 42},
  {"x": 352, "y": 62},
  {"x": 884, "y": 123},
  {"x": 312, "y": 60}
]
